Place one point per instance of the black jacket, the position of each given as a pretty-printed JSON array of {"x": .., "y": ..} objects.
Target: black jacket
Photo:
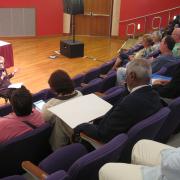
[{"x": 135, "y": 107}]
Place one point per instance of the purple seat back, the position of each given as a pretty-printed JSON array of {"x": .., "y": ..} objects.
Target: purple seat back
[
  {"x": 91, "y": 74},
  {"x": 93, "y": 86},
  {"x": 106, "y": 67},
  {"x": 59, "y": 175},
  {"x": 62, "y": 158},
  {"x": 5, "y": 109},
  {"x": 43, "y": 94},
  {"x": 171, "y": 123},
  {"x": 108, "y": 82},
  {"x": 32, "y": 146},
  {"x": 162, "y": 71},
  {"x": 114, "y": 96},
  {"x": 78, "y": 79},
  {"x": 87, "y": 167},
  {"x": 15, "y": 177},
  {"x": 171, "y": 68},
  {"x": 145, "y": 129}
]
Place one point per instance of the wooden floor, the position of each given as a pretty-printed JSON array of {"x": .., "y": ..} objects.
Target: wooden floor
[{"x": 31, "y": 57}]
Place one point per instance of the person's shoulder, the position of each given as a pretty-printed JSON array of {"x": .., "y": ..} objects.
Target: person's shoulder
[
  {"x": 79, "y": 93},
  {"x": 10, "y": 118},
  {"x": 52, "y": 102}
]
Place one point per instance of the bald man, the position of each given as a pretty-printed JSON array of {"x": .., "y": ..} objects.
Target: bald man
[{"x": 176, "y": 37}]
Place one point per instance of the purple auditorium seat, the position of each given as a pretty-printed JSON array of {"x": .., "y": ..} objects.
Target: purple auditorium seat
[
  {"x": 93, "y": 86},
  {"x": 32, "y": 146},
  {"x": 108, "y": 82},
  {"x": 78, "y": 79},
  {"x": 171, "y": 123},
  {"x": 134, "y": 49},
  {"x": 87, "y": 166},
  {"x": 59, "y": 175},
  {"x": 5, "y": 109},
  {"x": 43, "y": 94},
  {"x": 15, "y": 177},
  {"x": 63, "y": 158},
  {"x": 91, "y": 74},
  {"x": 145, "y": 129},
  {"x": 106, "y": 67},
  {"x": 162, "y": 71},
  {"x": 114, "y": 94},
  {"x": 169, "y": 69}
]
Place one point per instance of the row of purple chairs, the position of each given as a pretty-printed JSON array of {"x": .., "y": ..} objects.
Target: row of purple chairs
[
  {"x": 158, "y": 126},
  {"x": 93, "y": 73},
  {"x": 169, "y": 69},
  {"x": 74, "y": 161},
  {"x": 33, "y": 146},
  {"x": 99, "y": 84}
]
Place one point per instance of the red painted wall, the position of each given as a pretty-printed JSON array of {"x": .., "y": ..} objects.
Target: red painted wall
[
  {"x": 135, "y": 8},
  {"x": 49, "y": 14}
]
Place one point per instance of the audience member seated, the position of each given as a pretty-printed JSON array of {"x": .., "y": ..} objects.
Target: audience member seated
[
  {"x": 5, "y": 80},
  {"x": 23, "y": 119},
  {"x": 143, "y": 53},
  {"x": 62, "y": 85},
  {"x": 166, "y": 57},
  {"x": 169, "y": 89},
  {"x": 131, "y": 109},
  {"x": 150, "y": 161},
  {"x": 156, "y": 36},
  {"x": 176, "y": 37}
]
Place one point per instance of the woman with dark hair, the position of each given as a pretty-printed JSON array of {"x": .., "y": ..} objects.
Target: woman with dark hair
[
  {"x": 23, "y": 119},
  {"x": 61, "y": 83}
]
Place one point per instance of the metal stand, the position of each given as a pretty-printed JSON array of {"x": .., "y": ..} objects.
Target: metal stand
[{"x": 73, "y": 27}]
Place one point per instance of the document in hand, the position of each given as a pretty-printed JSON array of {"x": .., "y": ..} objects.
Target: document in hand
[
  {"x": 15, "y": 85},
  {"x": 81, "y": 109}
]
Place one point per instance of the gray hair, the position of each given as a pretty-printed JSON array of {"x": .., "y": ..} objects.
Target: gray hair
[
  {"x": 140, "y": 67},
  {"x": 157, "y": 35}
]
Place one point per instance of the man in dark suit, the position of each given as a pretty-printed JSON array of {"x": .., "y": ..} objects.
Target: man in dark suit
[
  {"x": 139, "y": 104},
  {"x": 169, "y": 89}
]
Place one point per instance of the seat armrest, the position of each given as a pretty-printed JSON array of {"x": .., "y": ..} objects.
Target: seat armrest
[
  {"x": 103, "y": 76},
  {"x": 84, "y": 84},
  {"x": 99, "y": 94},
  {"x": 95, "y": 143},
  {"x": 34, "y": 170}
]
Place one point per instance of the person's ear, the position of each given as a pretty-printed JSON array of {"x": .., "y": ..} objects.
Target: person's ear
[{"x": 132, "y": 76}]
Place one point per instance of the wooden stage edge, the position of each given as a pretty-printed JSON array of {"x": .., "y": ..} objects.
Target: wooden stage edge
[{"x": 31, "y": 56}]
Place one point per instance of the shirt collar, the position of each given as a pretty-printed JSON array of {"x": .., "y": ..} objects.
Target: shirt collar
[{"x": 138, "y": 87}]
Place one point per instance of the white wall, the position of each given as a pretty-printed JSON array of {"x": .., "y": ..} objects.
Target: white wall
[{"x": 116, "y": 18}]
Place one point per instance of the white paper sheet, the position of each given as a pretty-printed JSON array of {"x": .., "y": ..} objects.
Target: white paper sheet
[
  {"x": 3, "y": 43},
  {"x": 15, "y": 85},
  {"x": 81, "y": 109}
]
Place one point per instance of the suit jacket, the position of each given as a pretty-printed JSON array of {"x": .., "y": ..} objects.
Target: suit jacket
[
  {"x": 135, "y": 107},
  {"x": 172, "y": 89}
]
